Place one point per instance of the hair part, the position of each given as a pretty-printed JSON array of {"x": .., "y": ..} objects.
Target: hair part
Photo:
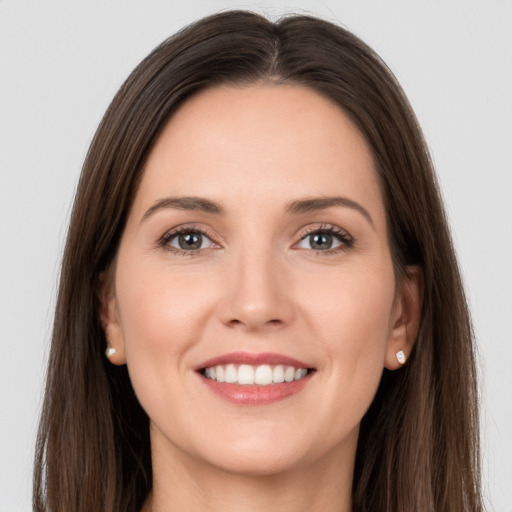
[{"x": 418, "y": 443}]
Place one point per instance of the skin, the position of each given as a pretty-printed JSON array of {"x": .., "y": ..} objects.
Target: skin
[{"x": 257, "y": 285}]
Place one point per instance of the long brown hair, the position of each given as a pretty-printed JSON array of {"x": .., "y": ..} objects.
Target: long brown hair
[{"x": 418, "y": 444}]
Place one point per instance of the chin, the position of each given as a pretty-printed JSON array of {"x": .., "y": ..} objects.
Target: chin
[
  {"x": 277, "y": 452},
  {"x": 256, "y": 462}
]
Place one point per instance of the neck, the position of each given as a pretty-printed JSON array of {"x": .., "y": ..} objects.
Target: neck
[{"x": 183, "y": 484}]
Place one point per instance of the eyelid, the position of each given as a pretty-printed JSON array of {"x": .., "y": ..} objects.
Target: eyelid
[
  {"x": 346, "y": 239},
  {"x": 164, "y": 240}
]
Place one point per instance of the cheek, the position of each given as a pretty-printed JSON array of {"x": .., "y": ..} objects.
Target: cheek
[
  {"x": 159, "y": 314},
  {"x": 353, "y": 303},
  {"x": 163, "y": 314},
  {"x": 353, "y": 320}
]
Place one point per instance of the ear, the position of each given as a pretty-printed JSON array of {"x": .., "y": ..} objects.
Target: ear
[
  {"x": 406, "y": 318},
  {"x": 110, "y": 320}
]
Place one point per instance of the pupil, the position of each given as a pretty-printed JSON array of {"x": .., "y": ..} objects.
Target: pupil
[
  {"x": 190, "y": 241},
  {"x": 321, "y": 241}
]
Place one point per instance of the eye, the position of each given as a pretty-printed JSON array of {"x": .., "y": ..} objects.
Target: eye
[
  {"x": 187, "y": 240},
  {"x": 325, "y": 239}
]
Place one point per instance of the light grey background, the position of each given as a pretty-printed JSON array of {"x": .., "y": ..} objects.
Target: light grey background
[{"x": 62, "y": 61}]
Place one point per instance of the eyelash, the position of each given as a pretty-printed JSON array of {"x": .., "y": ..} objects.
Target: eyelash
[
  {"x": 170, "y": 235},
  {"x": 346, "y": 241}
]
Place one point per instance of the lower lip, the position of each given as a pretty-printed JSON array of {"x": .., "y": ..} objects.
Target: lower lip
[{"x": 256, "y": 395}]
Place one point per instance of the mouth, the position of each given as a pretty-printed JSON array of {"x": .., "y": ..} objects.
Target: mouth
[
  {"x": 255, "y": 379},
  {"x": 249, "y": 375}
]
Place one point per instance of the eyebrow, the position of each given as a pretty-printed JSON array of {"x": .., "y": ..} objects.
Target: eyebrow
[
  {"x": 185, "y": 203},
  {"x": 193, "y": 203},
  {"x": 322, "y": 203}
]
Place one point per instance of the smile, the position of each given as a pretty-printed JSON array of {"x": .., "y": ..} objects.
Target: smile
[
  {"x": 254, "y": 379},
  {"x": 248, "y": 375}
]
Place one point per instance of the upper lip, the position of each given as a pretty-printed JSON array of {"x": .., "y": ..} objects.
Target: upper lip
[{"x": 252, "y": 359}]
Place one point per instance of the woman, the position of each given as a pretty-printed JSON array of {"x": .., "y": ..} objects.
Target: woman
[{"x": 259, "y": 245}]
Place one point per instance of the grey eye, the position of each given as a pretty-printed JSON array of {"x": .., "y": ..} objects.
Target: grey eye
[{"x": 320, "y": 241}]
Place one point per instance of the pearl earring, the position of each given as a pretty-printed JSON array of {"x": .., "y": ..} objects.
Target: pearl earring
[
  {"x": 400, "y": 357},
  {"x": 110, "y": 352}
]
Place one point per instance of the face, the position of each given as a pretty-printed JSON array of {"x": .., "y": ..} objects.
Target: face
[{"x": 253, "y": 296}]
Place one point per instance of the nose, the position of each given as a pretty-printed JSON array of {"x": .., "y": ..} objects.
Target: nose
[{"x": 257, "y": 295}]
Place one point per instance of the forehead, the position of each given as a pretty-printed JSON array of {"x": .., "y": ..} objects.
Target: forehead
[{"x": 276, "y": 141}]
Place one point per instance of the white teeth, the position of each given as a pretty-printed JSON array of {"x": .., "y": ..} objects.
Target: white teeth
[
  {"x": 301, "y": 372},
  {"x": 278, "y": 374},
  {"x": 219, "y": 372},
  {"x": 289, "y": 374},
  {"x": 263, "y": 375},
  {"x": 245, "y": 374},
  {"x": 231, "y": 375}
]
